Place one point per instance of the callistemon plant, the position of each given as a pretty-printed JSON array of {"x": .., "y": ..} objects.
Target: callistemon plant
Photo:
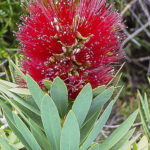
[
  {"x": 74, "y": 44},
  {"x": 77, "y": 40}
]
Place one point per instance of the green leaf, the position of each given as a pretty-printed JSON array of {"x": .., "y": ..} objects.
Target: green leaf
[
  {"x": 135, "y": 147},
  {"x": 115, "y": 76},
  {"x": 70, "y": 136},
  {"x": 18, "y": 99},
  {"x": 82, "y": 104},
  {"x": 117, "y": 79},
  {"x": 87, "y": 126},
  {"x": 51, "y": 122},
  {"x": 123, "y": 140},
  {"x": 130, "y": 142},
  {"x": 47, "y": 84},
  {"x": 12, "y": 137},
  {"x": 18, "y": 70},
  {"x": 118, "y": 94},
  {"x": 40, "y": 137},
  {"x": 26, "y": 133},
  {"x": 6, "y": 144},
  {"x": 12, "y": 125},
  {"x": 26, "y": 111},
  {"x": 119, "y": 132},
  {"x": 149, "y": 80},
  {"x": 59, "y": 94},
  {"x": 143, "y": 143},
  {"x": 144, "y": 123},
  {"x": 97, "y": 127},
  {"x": 35, "y": 90},
  {"x": 94, "y": 147},
  {"x": 100, "y": 100},
  {"x": 17, "y": 133},
  {"x": 144, "y": 103},
  {"x": 147, "y": 111},
  {"x": 8, "y": 84},
  {"x": 98, "y": 90},
  {"x": 36, "y": 118},
  {"x": 19, "y": 145},
  {"x": 144, "y": 113},
  {"x": 93, "y": 114},
  {"x": 21, "y": 91}
]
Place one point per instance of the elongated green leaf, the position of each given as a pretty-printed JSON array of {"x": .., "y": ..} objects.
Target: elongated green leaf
[
  {"x": 135, "y": 147},
  {"x": 82, "y": 104},
  {"x": 149, "y": 80},
  {"x": 91, "y": 118},
  {"x": 26, "y": 111},
  {"x": 117, "y": 79},
  {"x": 19, "y": 145},
  {"x": 6, "y": 144},
  {"x": 100, "y": 100},
  {"x": 18, "y": 70},
  {"x": 11, "y": 72},
  {"x": 144, "y": 113},
  {"x": 144, "y": 103},
  {"x": 97, "y": 127},
  {"x": 119, "y": 132},
  {"x": 70, "y": 136},
  {"x": 123, "y": 140},
  {"x": 20, "y": 100},
  {"x": 87, "y": 126},
  {"x": 40, "y": 137},
  {"x": 147, "y": 111},
  {"x": 115, "y": 76},
  {"x": 118, "y": 94},
  {"x": 143, "y": 143},
  {"x": 18, "y": 133},
  {"x": 36, "y": 118},
  {"x": 98, "y": 90},
  {"x": 35, "y": 90},
  {"x": 145, "y": 127},
  {"x": 51, "y": 121},
  {"x": 26, "y": 133},
  {"x": 21, "y": 91},
  {"x": 8, "y": 84},
  {"x": 94, "y": 147},
  {"x": 12, "y": 125},
  {"x": 130, "y": 142},
  {"x": 59, "y": 94}
]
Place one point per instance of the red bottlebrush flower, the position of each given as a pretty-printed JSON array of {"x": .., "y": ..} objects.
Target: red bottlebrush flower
[{"x": 78, "y": 41}]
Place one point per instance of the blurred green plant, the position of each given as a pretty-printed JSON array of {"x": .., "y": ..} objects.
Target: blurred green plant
[
  {"x": 13, "y": 140},
  {"x": 10, "y": 11},
  {"x": 145, "y": 113},
  {"x": 142, "y": 144}
]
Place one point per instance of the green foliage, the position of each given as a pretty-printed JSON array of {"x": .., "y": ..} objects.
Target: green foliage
[
  {"x": 145, "y": 114},
  {"x": 10, "y": 12},
  {"x": 142, "y": 144},
  {"x": 41, "y": 124}
]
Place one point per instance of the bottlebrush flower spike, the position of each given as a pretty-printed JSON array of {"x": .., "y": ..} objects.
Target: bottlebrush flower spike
[{"x": 78, "y": 41}]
